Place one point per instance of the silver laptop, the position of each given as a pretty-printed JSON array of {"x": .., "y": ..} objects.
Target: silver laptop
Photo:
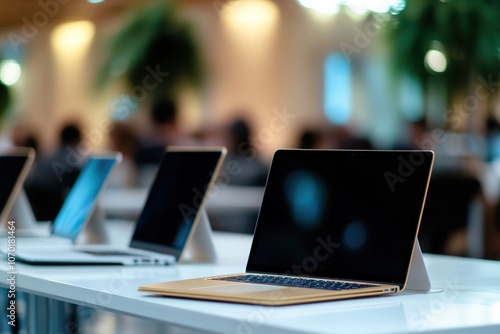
[
  {"x": 15, "y": 164},
  {"x": 169, "y": 218},
  {"x": 333, "y": 224}
]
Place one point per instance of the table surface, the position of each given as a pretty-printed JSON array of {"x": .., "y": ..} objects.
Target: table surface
[{"x": 465, "y": 297}]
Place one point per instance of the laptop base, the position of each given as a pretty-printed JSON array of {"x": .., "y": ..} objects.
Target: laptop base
[
  {"x": 201, "y": 247},
  {"x": 418, "y": 278}
]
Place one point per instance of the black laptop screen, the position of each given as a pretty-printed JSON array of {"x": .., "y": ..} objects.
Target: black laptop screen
[
  {"x": 341, "y": 214},
  {"x": 175, "y": 199}
]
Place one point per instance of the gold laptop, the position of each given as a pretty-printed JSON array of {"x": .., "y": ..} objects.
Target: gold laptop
[{"x": 334, "y": 224}]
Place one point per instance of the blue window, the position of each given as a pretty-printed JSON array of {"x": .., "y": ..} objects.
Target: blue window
[{"x": 337, "y": 89}]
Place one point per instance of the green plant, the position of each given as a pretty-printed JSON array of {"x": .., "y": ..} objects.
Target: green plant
[
  {"x": 467, "y": 31},
  {"x": 154, "y": 38}
]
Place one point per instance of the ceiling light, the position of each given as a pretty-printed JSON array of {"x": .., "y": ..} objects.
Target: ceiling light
[
  {"x": 250, "y": 13},
  {"x": 73, "y": 36},
  {"x": 10, "y": 72},
  {"x": 435, "y": 60}
]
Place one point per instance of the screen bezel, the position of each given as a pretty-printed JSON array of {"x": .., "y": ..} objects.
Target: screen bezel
[
  {"x": 165, "y": 249},
  {"x": 298, "y": 154}
]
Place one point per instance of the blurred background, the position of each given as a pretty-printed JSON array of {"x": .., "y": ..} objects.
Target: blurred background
[{"x": 256, "y": 75}]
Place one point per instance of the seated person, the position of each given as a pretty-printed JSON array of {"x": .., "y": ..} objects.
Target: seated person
[{"x": 51, "y": 177}]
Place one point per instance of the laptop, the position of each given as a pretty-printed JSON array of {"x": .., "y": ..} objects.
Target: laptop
[
  {"x": 168, "y": 220},
  {"x": 78, "y": 207},
  {"x": 333, "y": 224},
  {"x": 15, "y": 163}
]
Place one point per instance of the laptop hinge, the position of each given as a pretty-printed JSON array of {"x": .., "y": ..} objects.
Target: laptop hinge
[
  {"x": 201, "y": 246},
  {"x": 418, "y": 278}
]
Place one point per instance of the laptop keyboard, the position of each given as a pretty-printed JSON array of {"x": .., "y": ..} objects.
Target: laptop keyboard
[{"x": 294, "y": 282}]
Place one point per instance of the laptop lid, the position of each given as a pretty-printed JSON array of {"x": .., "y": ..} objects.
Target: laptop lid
[
  {"x": 14, "y": 167},
  {"x": 341, "y": 214},
  {"x": 177, "y": 198},
  {"x": 82, "y": 198}
]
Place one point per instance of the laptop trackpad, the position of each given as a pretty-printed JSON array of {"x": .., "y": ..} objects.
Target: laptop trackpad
[{"x": 239, "y": 288}]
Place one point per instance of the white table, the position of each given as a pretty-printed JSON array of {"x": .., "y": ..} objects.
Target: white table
[{"x": 469, "y": 300}]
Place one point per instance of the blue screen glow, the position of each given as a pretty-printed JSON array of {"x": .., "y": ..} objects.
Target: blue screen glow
[{"x": 80, "y": 201}]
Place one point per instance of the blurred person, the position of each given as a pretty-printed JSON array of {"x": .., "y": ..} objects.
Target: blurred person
[
  {"x": 243, "y": 169},
  {"x": 317, "y": 138},
  {"x": 418, "y": 134},
  {"x": 21, "y": 135},
  {"x": 52, "y": 176},
  {"x": 309, "y": 139},
  {"x": 354, "y": 142},
  {"x": 492, "y": 139},
  {"x": 165, "y": 132},
  {"x": 163, "y": 117},
  {"x": 241, "y": 153},
  {"x": 331, "y": 137},
  {"x": 31, "y": 141}
]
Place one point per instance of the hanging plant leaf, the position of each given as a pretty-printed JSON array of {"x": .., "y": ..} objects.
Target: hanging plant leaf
[
  {"x": 155, "y": 50},
  {"x": 467, "y": 31}
]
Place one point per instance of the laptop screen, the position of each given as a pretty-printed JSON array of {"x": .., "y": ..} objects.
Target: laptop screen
[
  {"x": 12, "y": 167},
  {"x": 80, "y": 202},
  {"x": 341, "y": 214},
  {"x": 176, "y": 198}
]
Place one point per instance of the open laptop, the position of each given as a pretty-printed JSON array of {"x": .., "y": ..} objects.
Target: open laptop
[
  {"x": 78, "y": 206},
  {"x": 333, "y": 224},
  {"x": 169, "y": 219},
  {"x": 15, "y": 163}
]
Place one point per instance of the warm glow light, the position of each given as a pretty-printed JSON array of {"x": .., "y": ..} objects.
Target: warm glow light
[
  {"x": 322, "y": 6},
  {"x": 73, "y": 37},
  {"x": 10, "y": 72},
  {"x": 436, "y": 61},
  {"x": 250, "y": 14}
]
